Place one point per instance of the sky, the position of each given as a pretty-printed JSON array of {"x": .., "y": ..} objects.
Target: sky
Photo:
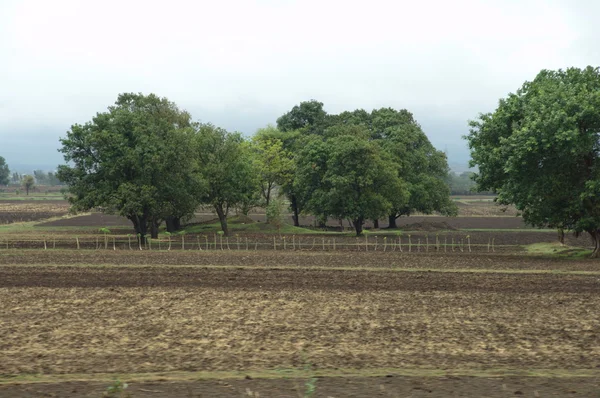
[{"x": 240, "y": 64}]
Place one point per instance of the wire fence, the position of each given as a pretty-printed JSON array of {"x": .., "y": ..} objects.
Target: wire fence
[{"x": 444, "y": 244}]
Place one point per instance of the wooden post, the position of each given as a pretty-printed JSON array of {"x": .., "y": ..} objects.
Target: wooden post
[
  {"x": 400, "y": 243},
  {"x": 366, "y": 243},
  {"x": 76, "y": 240},
  {"x": 409, "y": 244},
  {"x": 426, "y": 243}
]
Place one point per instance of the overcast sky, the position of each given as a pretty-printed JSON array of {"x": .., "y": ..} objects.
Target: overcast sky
[{"x": 241, "y": 64}]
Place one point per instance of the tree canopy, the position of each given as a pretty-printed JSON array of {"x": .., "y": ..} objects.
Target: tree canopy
[
  {"x": 145, "y": 159},
  {"x": 228, "y": 168},
  {"x": 539, "y": 150},
  {"x": 4, "y": 172},
  {"x": 134, "y": 160}
]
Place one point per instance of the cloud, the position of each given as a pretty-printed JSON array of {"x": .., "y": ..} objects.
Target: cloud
[{"x": 240, "y": 63}]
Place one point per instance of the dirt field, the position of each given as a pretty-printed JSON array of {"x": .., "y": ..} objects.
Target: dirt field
[
  {"x": 488, "y": 222},
  {"x": 23, "y": 211},
  {"x": 246, "y": 312}
]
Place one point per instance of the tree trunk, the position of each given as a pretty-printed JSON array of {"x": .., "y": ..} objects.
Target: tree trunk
[
  {"x": 222, "y": 219},
  {"x": 376, "y": 224},
  {"x": 154, "y": 229},
  {"x": 173, "y": 224},
  {"x": 140, "y": 224},
  {"x": 561, "y": 236},
  {"x": 358, "y": 226},
  {"x": 268, "y": 195},
  {"x": 170, "y": 225},
  {"x": 595, "y": 234},
  {"x": 294, "y": 204},
  {"x": 392, "y": 221}
]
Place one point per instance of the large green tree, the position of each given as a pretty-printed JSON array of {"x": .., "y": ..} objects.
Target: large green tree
[
  {"x": 226, "y": 164},
  {"x": 4, "y": 172},
  {"x": 348, "y": 176},
  {"x": 135, "y": 160},
  {"x": 273, "y": 162},
  {"x": 424, "y": 168},
  {"x": 308, "y": 116},
  {"x": 540, "y": 150}
]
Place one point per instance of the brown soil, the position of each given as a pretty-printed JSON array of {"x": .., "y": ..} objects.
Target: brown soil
[
  {"x": 420, "y": 222},
  {"x": 145, "y": 317},
  {"x": 25, "y": 211},
  {"x": 328, "y": 387},
  {"x": 286, "y": 259}
]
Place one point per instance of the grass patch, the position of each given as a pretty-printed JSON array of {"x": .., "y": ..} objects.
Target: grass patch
[
  {"x": 556, "y": 249},
  {"x": 237, "y": 224}
]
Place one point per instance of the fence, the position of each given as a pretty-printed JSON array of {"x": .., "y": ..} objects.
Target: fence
[{"x": 408, "y": 244}]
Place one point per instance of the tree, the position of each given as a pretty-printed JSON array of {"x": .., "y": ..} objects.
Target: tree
[
  {"x": 134, "y": 160},
  {"x": 28, "y": 183},
  {"x": 16, "y": 178},
  {"x": 273, "y": 163},
  {"x": 41, "y": 178},
  {"x": 349, "y": 177},
  {"x": 308, "y": 116},
  {"x": 539, "y": 150},
  {"x": 226, "y": 165},
  {"x": 4, "y": 172}
]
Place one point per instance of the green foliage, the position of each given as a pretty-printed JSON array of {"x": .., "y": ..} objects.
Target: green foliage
[
  {"x": 539, "y": 150},
  {"x": 462, "y": 184},
  {"x": 225, "y": 163},
  {"x": 274, "y": 212},
  {"x": 134, "y": 160},
  {"x": 116, "y": 390},
  {"x": 309, "y": 116},
  {"x": 423, "y": 169},
  {"x": 348, "y": 177},
  {"x": 43, "y": 178},
  {"x": 4, "y": 172},
  {"x": 28, "y": 183},
  {"x": 274, "y": 164}
]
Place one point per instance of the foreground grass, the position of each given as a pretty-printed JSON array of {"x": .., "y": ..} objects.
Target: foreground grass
[{"x": 556, "y": 249}]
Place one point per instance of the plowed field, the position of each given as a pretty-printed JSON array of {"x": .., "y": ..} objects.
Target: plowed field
[{"x": 168, "y": 315}]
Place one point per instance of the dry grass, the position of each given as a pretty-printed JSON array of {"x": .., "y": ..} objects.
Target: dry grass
[
  {"x": 15, "y": 212},
  {"x": 162, "y": 329}
]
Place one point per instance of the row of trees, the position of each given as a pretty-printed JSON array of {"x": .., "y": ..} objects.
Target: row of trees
[
  {"x": 145, "y": 159},
  {"x": 27, "y": 181}
]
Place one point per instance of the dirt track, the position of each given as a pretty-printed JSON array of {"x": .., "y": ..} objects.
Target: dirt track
[
  {"x": 432, "y": 260},
  {"x": 294, "y": 279}
]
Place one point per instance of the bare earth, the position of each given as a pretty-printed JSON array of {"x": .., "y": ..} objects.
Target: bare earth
[{"x": 363, "y": 314}]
